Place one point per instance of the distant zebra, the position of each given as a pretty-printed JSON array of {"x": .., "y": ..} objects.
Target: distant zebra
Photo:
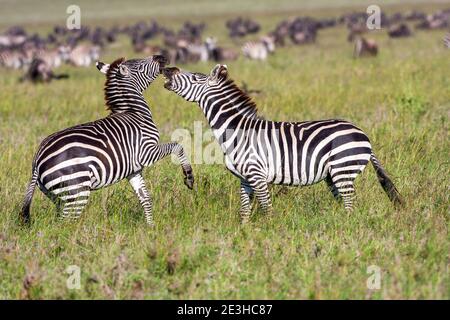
[
  {"x": 53, "y": 58},
  {"x": 259, "y": 50},
  {"x": 260, "y": 152},
  {"x": 39, "y": 71},
  {"x": 447, "y": 40},
  {"x": 83, "y": 55},
  {"x": 71, "y": 163},
  {"x": 365, "y": 48},
  {"x": 12, "y": 59}
]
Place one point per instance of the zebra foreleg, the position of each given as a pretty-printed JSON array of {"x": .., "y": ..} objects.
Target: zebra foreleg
[
  {"x": 261, "y": 190},
  {"x": 246, "y": 201},
  {"x": 163, "y": 150},
  {"x": 138, "y": 184}
]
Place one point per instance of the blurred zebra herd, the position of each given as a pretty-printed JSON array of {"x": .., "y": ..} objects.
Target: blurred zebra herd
[{"x": 39, "y": 55}]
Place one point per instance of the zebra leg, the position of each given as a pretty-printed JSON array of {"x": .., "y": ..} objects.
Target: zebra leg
[
  {"x": 53, "y": 197},
  {"x": 74, "y": 200},
  {"x": 138, "y": 184},
  {"x": 246, "y": 201},
  {"x": 163, "y": 150},
  {"x": 185, "y": 165},
  {"x": 261, "y": 190},
  {"x": 332, "y": 187},
  {"x": 346, "y": 190}
]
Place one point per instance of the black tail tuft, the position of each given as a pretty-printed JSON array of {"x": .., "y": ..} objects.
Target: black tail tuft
[
  {"x": 25, "y": 214},
  {"x": 386, "y": 182},
  {"x": 61, "y": 76}
]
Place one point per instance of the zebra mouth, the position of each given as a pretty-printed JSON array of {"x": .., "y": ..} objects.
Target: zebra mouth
[
  {"x": 167, "y": 73},
  {"x": 162, "y": 60},
  {"x": 167, "y": 83}
]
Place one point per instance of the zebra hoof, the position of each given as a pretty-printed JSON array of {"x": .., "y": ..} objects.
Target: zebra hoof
[
  {"x": 245, "y": 220},
  {"x": 189, "y": 181}
]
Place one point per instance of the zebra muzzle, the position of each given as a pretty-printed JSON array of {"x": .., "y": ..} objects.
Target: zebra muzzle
[
  {"x": 162, "y": 60},
  {"x": 168, "y": 73}
]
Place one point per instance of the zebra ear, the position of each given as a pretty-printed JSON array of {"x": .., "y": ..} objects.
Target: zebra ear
[
  {"x": 220, "y": 71},
  {"x": 103, "y": 67},
  {"x": 123, "y": 69},
  {"x": 223, "y": 71}
]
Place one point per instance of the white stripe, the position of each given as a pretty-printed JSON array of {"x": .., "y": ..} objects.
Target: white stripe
[{"x": 75, "y": 175}]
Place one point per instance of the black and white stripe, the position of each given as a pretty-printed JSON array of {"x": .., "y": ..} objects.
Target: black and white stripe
[
  {"x": 71, "y": 163},
  {"x": 446, "y": 40},
  {"x": 261, "y": 152},
  {"x": 12, "y": 59},
  {"x": 259, "y": 50}
]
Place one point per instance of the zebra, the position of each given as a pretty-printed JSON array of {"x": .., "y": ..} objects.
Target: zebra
[
  {"x": 12, "y": 59},
  {"x": 71, "y": 163},
  {"x": 446, "y": 40},
  {"x": 259, "y": 50},
  {"x": 39, "y": 71},
  {"x": 365, "y": 48},
  {"x": 53, "y": 58},
  {"x": 83, "y": 55},
  {"x": 261, "y": 152}
]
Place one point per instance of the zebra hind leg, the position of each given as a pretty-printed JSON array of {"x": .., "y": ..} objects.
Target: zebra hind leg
[
  {"x": 72, "y": 205},
  {"x": 344, "y": 185},
  {"x": 261, "y": 190},
  {"x": 246, "y": 202},
  {"x": 332, "y": 187},
  {"x": 138, "y": 184}
]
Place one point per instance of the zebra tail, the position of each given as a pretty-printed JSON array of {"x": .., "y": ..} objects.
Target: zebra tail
[
  {"x": 25, "y": 214},
  {"x": 61, "y": 76},
  {"x": 386, "y": 182}
]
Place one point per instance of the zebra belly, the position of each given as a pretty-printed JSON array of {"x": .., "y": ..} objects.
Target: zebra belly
[{"x": 233, "y": 169}]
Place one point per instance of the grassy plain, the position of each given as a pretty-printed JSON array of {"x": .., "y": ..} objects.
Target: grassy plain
[{"x": 311, "y": 248}]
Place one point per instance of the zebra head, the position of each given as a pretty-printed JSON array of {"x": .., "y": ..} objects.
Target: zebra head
[
  {"x": 139, "y": 72},
  {"x": 192, "y": 85}
]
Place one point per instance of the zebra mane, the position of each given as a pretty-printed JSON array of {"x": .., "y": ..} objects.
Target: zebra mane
[
  {"x": 112, "y": 68},
  {"x": 115, "y": 96},
  {"x": 244, "y": 99}
]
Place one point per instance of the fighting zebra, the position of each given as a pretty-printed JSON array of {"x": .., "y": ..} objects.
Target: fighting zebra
[
  {"x": 261, "y": 152},
  {"x": 259, "y": 50},
  {"x": 71, "y": 163}
]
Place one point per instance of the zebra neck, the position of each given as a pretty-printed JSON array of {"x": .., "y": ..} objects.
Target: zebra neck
[
  {"x": 227, "y": 107},
  {"x": 118, "y": 101}
]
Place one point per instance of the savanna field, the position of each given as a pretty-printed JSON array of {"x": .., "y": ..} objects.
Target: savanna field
[{"x": 311, "y": 248}]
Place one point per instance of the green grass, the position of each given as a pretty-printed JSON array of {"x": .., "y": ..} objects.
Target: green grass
[{"x": 311, "y": 248}]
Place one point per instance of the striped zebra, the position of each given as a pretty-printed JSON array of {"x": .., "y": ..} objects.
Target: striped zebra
[
  {"x": 12, "y": 59},
  {"x": 259, "y": 50},
  {"x": 83, "y": 55},
  {"x": 446, "y": 40},
  {"x": 71, "y": 163},
  {"x": 53, "y": 58},
  {"x": 262, "y": 152}
]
